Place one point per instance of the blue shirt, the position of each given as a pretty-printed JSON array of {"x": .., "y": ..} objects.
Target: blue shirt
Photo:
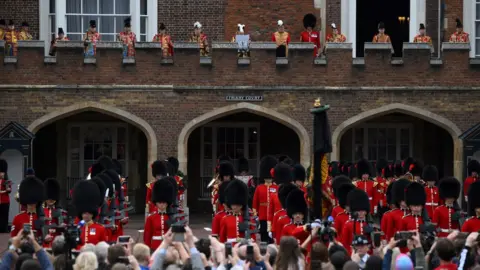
[{"x": 144, "y": 267}]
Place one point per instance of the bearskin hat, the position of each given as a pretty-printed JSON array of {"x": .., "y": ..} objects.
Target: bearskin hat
[
  {"x": 299, "y": 172},
  {"x": 283, "y": 192},
  {"x": 344, "y": 168},
  {"x": 243, "y": 165},
  {"x": 31, "y": 191},
  {"x": 338, "y": 181},
  {"x": 381, "y": 165},
  {"x": 381, "y": 25},
  {"x": 398, "y": 168},
  {"x": 342, "y": 193},
  {"x": 102, "y": 163},
  {"x": 430, "y": 173},
  {"x": 236, "y": 193},
  {"x": 224, "y": 158},
  {"x": 174, "y": 184},
  {"x": 221, "y": 192},
  {"x": 417, "y": 168},
  {"x": 225, "y": 168},
  {"x": 309, "y": 20},
  {"x": 3, "y": 166},
  {"x": 334, "y": 169},
  {"x": 85, "y": 198},
  {"x": 408, "y": 164},
  {"x": 458, "y": 23},
  {"x": 101, "y": 187},
  {"x": 473, "y": 166},
  {"x": 415, "y": 194},
  {"x": 159, "y": 167},
  {"x": 296, "y": 203},
  {"x": 52, "y": 189},
  {"x": 363, "y": 167},
  {"x": 357, "y": 200},
  {"x": 398, "y": 190},
  {"x": 352, "y": 171},
  {"x": 108, "y": 182},
  {"x": 473, "y": 198},
  {"x": 282, "y": 173},
  {"x": 163, "y": 191},
  {"x": 388, "y": 193},
  {"x": 449, "y": 187},
  {"x": 286, "y": 159},
  {"x": 116, "y": 181},
  {"x": 174, "y": 162},
  {"x": 30, "y": 171},
  {"x": 118, "y": 167},
  {"x": 93, "y": 23},
  {"x": 388, "y": 171},
  {"x": 267, "y": 163}
]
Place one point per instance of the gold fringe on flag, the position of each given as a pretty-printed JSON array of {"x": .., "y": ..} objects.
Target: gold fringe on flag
[{"x": 324, "y": 173}]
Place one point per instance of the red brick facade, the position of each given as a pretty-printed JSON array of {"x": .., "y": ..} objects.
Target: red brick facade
[{"x": 19, "y": 11}]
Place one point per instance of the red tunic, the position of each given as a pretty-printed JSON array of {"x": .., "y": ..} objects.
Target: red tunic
[
  {"x": 448, "y": 266},
  {"x": 471, "y": 225},
  {"x": 49, "y": 220},
  {"x": 181, "y": 190},
  {"x": 275, "y": 219},
  {"x": 335, "y": 211},
  {"x": 313, "y": 37},
  {"x": 217, "y": 219},
  {"x": 387, "y": 225},
  {"x": 411, "y": 222},
  {"x": 114, "y": 232},
  {"x": 282, "y": 221},
  {"x": 5, "y": 189},
  {"x": 433, "y": 198},
  {"x": 346, "y": 238},
  {"x": 340, "y": 221},
  {"x": 148, "y": 200},
  {"x": 327, "y": 189},
  {"x": 369, "y": 187},
  {"x": 466, "y": 185},
  {"x": 443, "y": 218},
  {"x": 229, "y": 232},
  {"x": 156, "y": 227},
  {"x": 92, "y": 233},
  {"x": 379, "y": 193},
  {"x": 396, "y": 218},
  {"x": 262, "y": 201},
  {"x": 275, "y": 206},
  {"x": 295, "y": 230},
  {"x": 24, "y": 218}
]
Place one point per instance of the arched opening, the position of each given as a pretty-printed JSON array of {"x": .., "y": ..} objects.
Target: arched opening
[{"x": 240, "y": 134}]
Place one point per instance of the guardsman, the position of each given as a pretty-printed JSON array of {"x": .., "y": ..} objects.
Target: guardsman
[
  {"x": 353, "y": 173},
  {"x": 381, "y": 37},
  {"x": 459, "y": 36},
  {"x": 61, "y": 37},
  {"x": 337, "y": 182},
  {"x": 236, "y": 194},
  {"x": 128, "y": 38},
  {"x": 310, "y": 35},
  {"x": 31, "y": 193},
  {"x": 264, "y": 193},
  {"x": 328, "y": 189},
  {"x": 216, "y": 181},
  {"x": 359, "y": 203},
  {"x": 159, "y": 170},
  {"x": 380, "y": 188},
  {"x": 5, "y": 189},
  {"x": 217, "y": 218},
  {"x": 473, "y": 171},
  {"x": 472, "y": 224},
  {"x": 11, "y": 40},
  {"x": 282, "y": 174},
  {"x": 407, "y": 166},
  {"x": 336, "y": 36},
  {"x": 297, "y": 211},
  {"x": 446, "y": 216},
  {"x": 226, "y": 173},
  {"x": 280, "y": 218},
  {"x": 181, "y": 185},
  {"x": 299, "y": 176},
  {"x": 91, "y": 39},
  {"x": 286, "y": 159},
  {"x": 397, "y": 170},
  {"x": 422, "y": 37},
  {"x": 117, "y": 206},
  {"x": 430, "y": 176},
  {"x": 385, "y": 223},
  {"x": 24, "y": 34},
  {"x": 103, "y": 204},
  {"x": 341, "y": 218},
  {"x": 416, "y": 169},
  {"x": 53, "y": 214},
  {"x": 124, "y": 185},
  {"x": 282, "y": 39},
  {"x": 401, "y": 210},
  {"x": 165, "y": 41},
  {"x": 86, "y": 198},
  {"x": 244, "y": 172},
  {"x": 199, "y": 37},
  {"x": 364, "y": 171},
  {"x": 156, "y": 225},
  {"x": 415, "y": 198}
]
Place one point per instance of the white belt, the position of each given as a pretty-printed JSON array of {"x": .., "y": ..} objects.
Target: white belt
[
  {"x": 446, "y": 230},
  {"x": 369, "y": 198},
  {"x": 232, "y": 240},
  {"x": 157, "y": 238},
  {"x": 431, "y": 204}
]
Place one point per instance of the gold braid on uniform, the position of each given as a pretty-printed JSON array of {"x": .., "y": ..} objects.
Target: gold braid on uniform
[
  {"x": 324, "y": 168},
  {"x": 310, "y": 181}
]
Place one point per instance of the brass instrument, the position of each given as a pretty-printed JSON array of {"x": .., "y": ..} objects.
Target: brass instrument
[{"x": 17, "y": 195}]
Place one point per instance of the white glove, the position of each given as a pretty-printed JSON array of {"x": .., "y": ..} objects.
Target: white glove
[
  {"x": 316, "y": 225},
  {"x": 270, "y": 234}
]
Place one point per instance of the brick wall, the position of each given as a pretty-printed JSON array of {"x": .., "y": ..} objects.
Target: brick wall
[
  {"x": 454, "y": 10},
  {"x": 19, "y": 11},
  {"x": 334, "y": 14},
  {"x": 431, "y": 22}
]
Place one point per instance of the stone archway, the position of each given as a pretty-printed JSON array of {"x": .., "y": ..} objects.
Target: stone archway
[
  {"x": 433, "y": 118},
  {"x": 105, "y": 109},
  {"x": 243, "y": 107}
]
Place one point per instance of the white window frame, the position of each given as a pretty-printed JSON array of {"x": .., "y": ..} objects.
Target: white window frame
[
  {"x": 85, "y": 125},
  {"x": 469, "y": 19},
  {"x": 215, "y": 126},
  {"x": 61, "y": 20},
  {"x": 396, "y": 126},
  {"x": 349, "y": 20}
]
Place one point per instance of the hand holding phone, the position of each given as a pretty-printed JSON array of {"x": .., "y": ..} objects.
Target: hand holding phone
[
  {"x": 250, "y": 258},
  {"x": 124, "y": 239}
]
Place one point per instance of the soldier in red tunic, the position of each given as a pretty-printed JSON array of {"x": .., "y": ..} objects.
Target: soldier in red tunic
[
  {"x": 310, "y": 35},
  {"x": 5, "y": 189},
  {"x": 342, "y": 217},
  {"x": 297, "y": 211},
  {"x": 181, "y": 184},
  {"x": 328, "y": 189},
  {"x": 299, "y": 176},
  {"x": 380, "y": 188},
  {"x": 416, "y": 169},
  {"x": 337, "y": 182},
  {"x": 159, "y": 170},
  {"x": 117, "y": 207},
  {"x": 430, "y": 176},
  {"x": 473, "y": 171},
  {"x": 396, "y": 215},
  {"x": 364, "y": 171},
  {"x": 359, "y": 203},
  {"x": 407, "y": 166},
  {"x": 280, "y": 218},
  {"x": 53, "y": 214},
  {"x": 386, "y": 223},
  {"x": 86, "y": 198},
  {"x": 156, "y": 225},
  {"x": 398, "y": 169},
  {"x": 473, "y": 223},
  {"x": 226, "y": 173},
  {"x": 216, "y": 181},
  {"x": 446, "y": 217},
  {"x": 264, "y": 193},
  {"x": 415, "y": 198},
  {"x": 217, "y": 218}
]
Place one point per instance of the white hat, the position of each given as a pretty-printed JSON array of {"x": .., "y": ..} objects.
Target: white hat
[
  {"x": 197, "y": 25},
  {"x": 241, "y": 27},
  {"x": 334, "y": 26},
  {"x": 280, "y": 22}
]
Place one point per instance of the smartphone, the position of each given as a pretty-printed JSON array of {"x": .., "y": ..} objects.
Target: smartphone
[
  {"x": 250, "y": 257},
  {"x": 124, "y": 239},
  {"x": 263, "y": 248},
  {"x": 26, "y": 228},
  {"x": 228, "y": 249},
  {"x": 178, "y": 233},
  {"x": 376, "y": 239}
]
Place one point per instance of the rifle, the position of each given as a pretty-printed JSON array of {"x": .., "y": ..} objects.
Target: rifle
[{"x": 246, "y": 225}]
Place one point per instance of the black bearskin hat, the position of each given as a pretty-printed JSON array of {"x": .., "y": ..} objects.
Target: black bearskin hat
[
  {"x": 162, "y": 26},
  {"x": 415, "y": 194},
  {"x": 344, "y": 168},
  {"x": 225, "y": 168},
  {"x": 398, "y": 168},
  {"x": 31, "y": 191},
  {"x": 363, "y": 167},
  {"x": 107, "y": 181},
  {"x": 334, "y": 169},
  {"x": 52, "y": 189},
  {"x": 221, "y": 192},
  {"x": 60, "y": 31},
  {"x": 309, "y": 20},
  {"x": 174, "y": 162},
  {"x": 296, "y": 203},
  {"x": 101, "y": 187},
  {"x": 174, "y": 184},
  {"x": 93, "y": 23},
  {"x": 102, "y": 163},
  {"x": 25, "y": 24},
  {"x": 417, "y": 168},
  {"x": 85, "y": 198},
  {"x": 388, "y": 171},
  {"x": 339, "y": 181},
  {"x": 473, "y": 166},
  {"x": 422, "y": 26},
  {"x": 408, "y": 164},
  {"x": 283, "y": 173},
  {"x": 381, "y": 166},
  {"x": 398, "y": 190},
  {"x": 127, "y": 22},
  {"x": 236, "y": 193},
  {"x": 389, "y": 194},
  {"x": 267, "y": 163},
  {"x": 342, "y": 193},
  {"x": 159, "y": 167},
  {"x": 381, "y": 25},
  {"x": 163, "y": 191},
  {"x": 118, "y": 167},
  {"x": 116, "y": 181},
  {"x": 299, "y": 172},
  {"x": 220, "y": 159},
  {"x": 430, "y": 173},
  {"x": 286, "y": 159},
  {"x": 459, "y": 23},
  {"x": 352, "y": 171},
  {"x": 283, "y": 192},
  {"x": 449, "y": 187},
  {"x": 3, "y": 166},
  {"x": 357, "y": 199},
  {"x": 243, "y": 165},
  {"x": 473, "y": 198}
]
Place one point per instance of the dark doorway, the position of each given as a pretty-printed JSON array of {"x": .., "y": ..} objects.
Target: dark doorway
[{"x": 371, "y": 12}]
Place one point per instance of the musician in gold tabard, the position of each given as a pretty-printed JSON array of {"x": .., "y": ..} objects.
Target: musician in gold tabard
[
  {"x": 24, "y": 34},
  {"x": 165, "y": 41},
  {"x": 422, "y": 36},
  {"x": 381, "y": 37},
  {"x": 199, "y": 37},
  {"x": 282, "y": 39}
]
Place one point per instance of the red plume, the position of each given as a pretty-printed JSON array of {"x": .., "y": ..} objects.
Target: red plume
[
  {"x": 403, "y": 163},
  {"x": 383, "y": 172},
  {"x": 411, "y": 167},
  {"x": 90, "y": 169},
  {"x": 272, "y": 172}
]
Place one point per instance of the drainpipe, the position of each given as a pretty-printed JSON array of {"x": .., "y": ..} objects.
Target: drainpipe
[{"x": 441, "y": 25}]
